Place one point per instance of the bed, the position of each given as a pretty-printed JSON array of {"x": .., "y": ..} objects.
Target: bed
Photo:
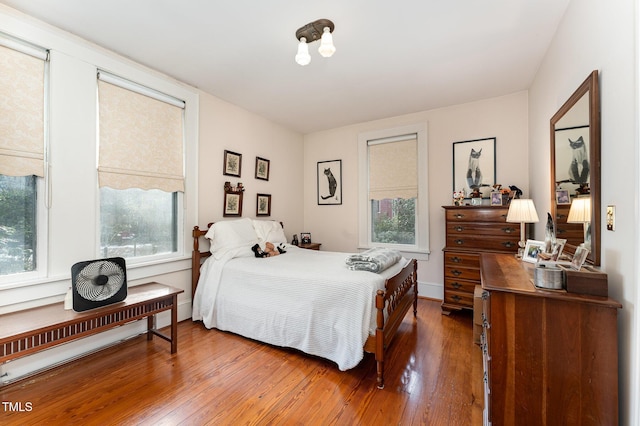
[{"x": 303, "y": 299}]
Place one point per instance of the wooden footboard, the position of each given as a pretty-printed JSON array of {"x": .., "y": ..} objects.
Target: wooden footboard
[
  {"x": 401, "y": 291},
  {"x": 392, "y": 303}
]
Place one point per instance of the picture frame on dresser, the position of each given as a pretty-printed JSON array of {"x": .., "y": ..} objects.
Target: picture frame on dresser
[
  {"x": 532, "y": 249},
  {"x": 474, "y": 165}
]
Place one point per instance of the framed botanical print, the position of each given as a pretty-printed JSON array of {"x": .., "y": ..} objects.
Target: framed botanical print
[
  {"x": 262, "y": 168},
  {"x": 232, "y": 204},
  {"x": 263, "y": 205},
  {"x": 232, "y": 164},
  {"x": 329, "y": 182}
]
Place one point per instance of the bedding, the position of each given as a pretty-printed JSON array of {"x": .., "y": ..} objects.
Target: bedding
[
  {"x": 373, "y": 260},
  {"x": 304, "y": 299}
]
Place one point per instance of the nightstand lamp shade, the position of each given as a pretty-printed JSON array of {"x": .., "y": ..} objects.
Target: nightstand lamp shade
[
  {"x": 580, "y": 212},
  {"x": 522, "y": 210}
]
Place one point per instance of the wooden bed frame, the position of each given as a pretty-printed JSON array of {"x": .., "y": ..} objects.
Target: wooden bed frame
[{"x": 400, "y": 293}]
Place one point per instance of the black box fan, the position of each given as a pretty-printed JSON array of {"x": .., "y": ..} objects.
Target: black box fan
[{"x": 97, "y": 283}]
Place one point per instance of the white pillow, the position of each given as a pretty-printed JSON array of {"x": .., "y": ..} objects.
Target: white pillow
[
  {"x": 269, "y": 231},
  {"x": 237, "y": 236}
]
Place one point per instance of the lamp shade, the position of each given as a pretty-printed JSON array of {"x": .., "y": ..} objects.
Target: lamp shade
[
  {"x": 303, "y": 57},
  {"x": 522, "y": 210},
  {"x": 326, "y": 48},
  {"x": 580, "y": 210}
]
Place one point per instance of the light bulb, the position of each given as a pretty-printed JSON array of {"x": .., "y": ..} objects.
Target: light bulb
[
  {"x": 303, "y": 57},
  {"x": 326, "y": 48}
]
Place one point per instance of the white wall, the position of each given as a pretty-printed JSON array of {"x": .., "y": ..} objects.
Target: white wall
[
  {"x": 336, "y": 227},
  {"x": 599, "y": 35},
  {"x": 225, "y": 126}
]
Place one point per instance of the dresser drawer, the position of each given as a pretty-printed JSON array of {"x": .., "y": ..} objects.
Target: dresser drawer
[
  {"x": 484, "y": 242},
  {"x": 482, "y": 228},
  {"x": 470, "y": 214},
  {"x": 459, "y": 299},
  {"x": 462, "y": 273},
  {"x": 460, "y": 286},
  {"x": 467, "y": 260}
]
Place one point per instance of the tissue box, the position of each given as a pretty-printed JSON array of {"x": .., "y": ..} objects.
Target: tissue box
[{"x": 587, "y": 281}]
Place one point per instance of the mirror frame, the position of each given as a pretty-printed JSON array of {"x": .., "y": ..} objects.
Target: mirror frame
[{"x": 590, "y": 86}]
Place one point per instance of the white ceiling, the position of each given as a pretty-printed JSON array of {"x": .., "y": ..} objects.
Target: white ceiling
[{"x": 392, "y": 58}]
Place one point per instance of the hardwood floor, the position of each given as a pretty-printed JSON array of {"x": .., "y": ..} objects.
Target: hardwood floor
[{"x": 218, "y": 378}]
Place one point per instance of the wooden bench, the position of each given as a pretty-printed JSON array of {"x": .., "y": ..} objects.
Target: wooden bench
[{"x": 32, "y": 330}]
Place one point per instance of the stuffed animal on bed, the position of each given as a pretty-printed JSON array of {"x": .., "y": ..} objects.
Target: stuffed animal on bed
[{"x": 269, "y": 250}]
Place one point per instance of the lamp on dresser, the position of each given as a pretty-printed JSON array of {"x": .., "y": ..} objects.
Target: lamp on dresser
[
  {"x": 522, "y": 210},
  {"x": 580, "y": 212}
]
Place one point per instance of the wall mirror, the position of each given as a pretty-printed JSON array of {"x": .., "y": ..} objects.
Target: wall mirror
[{"x": 575, "y": 169}]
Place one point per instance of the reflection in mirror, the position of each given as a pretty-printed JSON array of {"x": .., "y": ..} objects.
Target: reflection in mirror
[{"x": 575, "y": 168}]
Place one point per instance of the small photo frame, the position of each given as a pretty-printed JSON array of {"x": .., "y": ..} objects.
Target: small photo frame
[
  {"x": 562, "y": 197},
  {"x": 579, "y": 257},
  {"x": 305, "y": 238},
  {"x": 232, "y": 204},
  {"x": 232, "y": 164},
  {"x": 496, "y": 198},
  {"x": 263, "y": 205},
  {"x": 557, "y": 248},
  {"x": 262, "y": 168},
  {"x": 531, "y": 251}
]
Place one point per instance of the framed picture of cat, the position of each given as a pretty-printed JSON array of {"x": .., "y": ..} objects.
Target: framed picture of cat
[
  {"x": 329, "y": 182},
  {"x": 474, "y": 166}
]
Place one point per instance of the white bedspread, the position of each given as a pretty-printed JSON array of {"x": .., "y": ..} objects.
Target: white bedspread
[{"x": 303, "y": 299}]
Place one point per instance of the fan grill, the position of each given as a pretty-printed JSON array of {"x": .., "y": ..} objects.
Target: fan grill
[{"x": 99, "y": 280}]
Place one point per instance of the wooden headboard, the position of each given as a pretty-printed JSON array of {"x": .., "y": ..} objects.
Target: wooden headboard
[{"x": 197, "y": 256}]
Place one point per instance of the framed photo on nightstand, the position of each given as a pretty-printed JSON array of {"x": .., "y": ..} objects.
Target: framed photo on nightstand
[{"x": 305, "y": 238}]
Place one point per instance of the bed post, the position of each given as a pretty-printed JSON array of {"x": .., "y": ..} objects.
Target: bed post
[
  {"x": 380, "y": 302},
  {"x": 195, "y": 260}
]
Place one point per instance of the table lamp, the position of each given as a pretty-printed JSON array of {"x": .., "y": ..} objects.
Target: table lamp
[
  {"x": 523, "y": 211},
  {"x": 580, "y": 212}
]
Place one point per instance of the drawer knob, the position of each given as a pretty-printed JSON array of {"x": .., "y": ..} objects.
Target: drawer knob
[
  {"x": 456, "y": 298},
  {"x": 459, "y": 216},
  {"x": 456, "y": 272},
  {"x": 508, "y": 244},
  {"x": 456, "y": 259},
  {"x": 459, "y": 228},
  {"x": 508, "y": 230},
  {"x": 459, "y": 242},
  {"x": 456, "y": 285}
]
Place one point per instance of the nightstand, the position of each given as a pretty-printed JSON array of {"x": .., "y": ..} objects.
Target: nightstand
[{"x": 311, "y": 246}]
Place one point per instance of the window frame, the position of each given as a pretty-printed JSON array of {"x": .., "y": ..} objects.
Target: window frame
[
  {"x": 420, "y": 249},
  {"x": 180, "y": 206}
]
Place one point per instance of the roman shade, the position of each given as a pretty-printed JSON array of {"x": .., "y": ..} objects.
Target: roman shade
[
  {"x": 393, "y": 168},
  {"x": 22, "y": 108},
  {"x": 141, "y": 137}
]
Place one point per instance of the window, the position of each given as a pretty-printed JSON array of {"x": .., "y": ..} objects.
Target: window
[
  {"x": 18, "y": 219},
  {"x": 393, "y": 189},
  {"x": 140, "y": 169},
  {"x": 23, "y": 111}
]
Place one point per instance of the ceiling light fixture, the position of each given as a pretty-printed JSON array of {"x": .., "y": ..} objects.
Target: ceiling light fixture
[{"x": 316, "y": 30}]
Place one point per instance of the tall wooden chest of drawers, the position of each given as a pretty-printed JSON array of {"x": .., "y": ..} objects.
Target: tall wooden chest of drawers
[{"x": 471, "y": 230}]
